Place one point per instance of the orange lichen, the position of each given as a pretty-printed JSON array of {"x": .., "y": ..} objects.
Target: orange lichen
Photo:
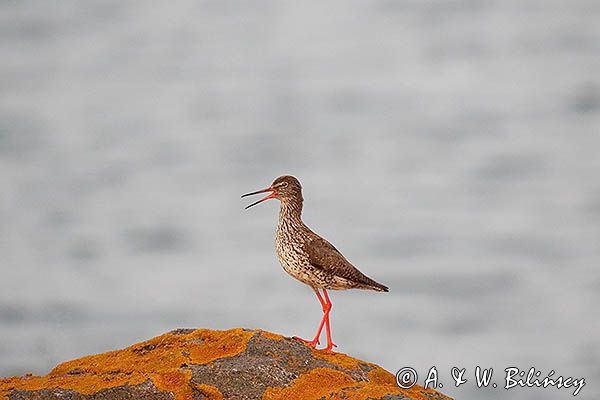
[
  {"x": 378, "y": 386},
  {"x": 212, "y": 392},
  {"x": 164, "y": 360},
  {"x": 332, "y": 384},
  {"x": 85, "y": 385},
  {"x": 159, "y": 359},
  {"x": 175, "y": 381},
  {"x": 315, "y": 384},
  {"x": 270, "y": 335},
  {"x": 340, "y": 359},
  {"x": 380, "y": 376},
  {"x": 381, "y": 383},
  {"x": 218, "y": 344}
]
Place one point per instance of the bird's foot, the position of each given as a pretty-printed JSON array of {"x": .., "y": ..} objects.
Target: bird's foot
[
  {"x": 312, "y": 343},
  {"x": 330, "y": 346}
]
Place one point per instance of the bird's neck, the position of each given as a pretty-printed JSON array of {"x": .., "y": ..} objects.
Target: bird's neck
[{"x": 290, "y": 214}]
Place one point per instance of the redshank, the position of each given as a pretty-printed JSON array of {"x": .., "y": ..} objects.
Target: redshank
[{"x": 308, "y": 257}]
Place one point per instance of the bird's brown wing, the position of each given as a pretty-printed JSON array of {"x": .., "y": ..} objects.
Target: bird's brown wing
[{"x": 325, "y": 256}]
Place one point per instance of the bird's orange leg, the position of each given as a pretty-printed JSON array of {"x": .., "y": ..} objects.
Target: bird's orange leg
[
  {"x": 327, "y": 306},
  {"x": 313, "y": 343}
]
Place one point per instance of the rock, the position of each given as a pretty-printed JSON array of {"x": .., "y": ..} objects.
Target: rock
[{"x": 204, "y": 364}]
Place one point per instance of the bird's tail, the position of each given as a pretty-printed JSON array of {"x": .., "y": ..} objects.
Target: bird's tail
[
  {"x": 379, "y": 287},
  {"x": 370, "y": 284}
]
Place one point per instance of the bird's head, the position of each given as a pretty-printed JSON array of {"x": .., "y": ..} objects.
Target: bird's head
[{"x": 284, "y": 188}]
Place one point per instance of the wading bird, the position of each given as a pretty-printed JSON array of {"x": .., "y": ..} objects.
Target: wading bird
[{"x": 308, "y": 257}]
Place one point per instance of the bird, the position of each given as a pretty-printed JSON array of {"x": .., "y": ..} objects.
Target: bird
[{"x": 308, "y": 257}]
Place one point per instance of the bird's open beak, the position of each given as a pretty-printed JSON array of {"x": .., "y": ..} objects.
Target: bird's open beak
[{"x": 270, "y": 196}]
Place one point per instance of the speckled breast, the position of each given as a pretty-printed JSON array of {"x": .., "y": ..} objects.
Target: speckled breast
[
  {"x": 293, "y": 259},
  {"x": 291, "y": 256}
]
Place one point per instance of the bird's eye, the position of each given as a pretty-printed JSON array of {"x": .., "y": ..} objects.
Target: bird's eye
[{"x": 283, "y": 184}]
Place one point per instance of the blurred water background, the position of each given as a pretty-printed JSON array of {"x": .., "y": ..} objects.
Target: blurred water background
[{"x": 450, "y": 149}]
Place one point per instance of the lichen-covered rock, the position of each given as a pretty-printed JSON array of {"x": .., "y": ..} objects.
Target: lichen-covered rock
[{"x": 204, "y": 364}]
